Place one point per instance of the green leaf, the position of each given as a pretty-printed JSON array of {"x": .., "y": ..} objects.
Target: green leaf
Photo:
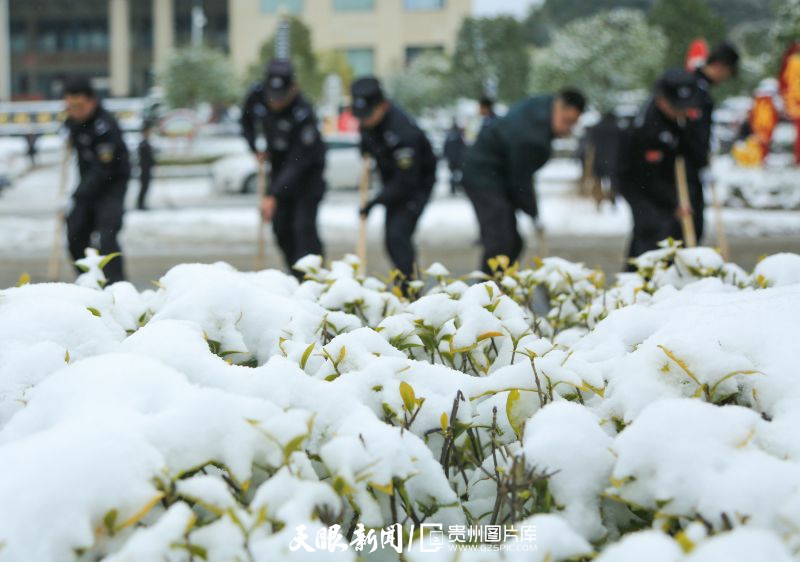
[
  {"x": 294, "y": 444},
  {"x": 94, "y": 311},
  {"x": 105, "y": 261},
  {"x": 110, "y": 522}
]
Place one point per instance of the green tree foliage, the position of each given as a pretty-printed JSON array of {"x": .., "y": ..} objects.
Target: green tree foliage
[
  {"x": 423, "y": 84},
  {"x": 310, "y": 74},
  {"x": 682, "y": 21},
  {"x": 553, "y": 14},
  {"x": 198, "y": 75},
  {"x": 608, "y": 53},
  {"x": 785, "y": 30},
  {"x": 488, "y": 47}
]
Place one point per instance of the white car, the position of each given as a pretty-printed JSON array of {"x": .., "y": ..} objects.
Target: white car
[{"x": 237, "y": 173}]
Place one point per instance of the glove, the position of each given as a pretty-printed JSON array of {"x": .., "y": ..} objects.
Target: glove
[{"x": 364, "y": 211}]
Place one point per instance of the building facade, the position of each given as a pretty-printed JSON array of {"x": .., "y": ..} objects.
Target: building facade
[{"x": 119, "y": 43}]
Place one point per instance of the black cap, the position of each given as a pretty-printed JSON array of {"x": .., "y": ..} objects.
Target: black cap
[
  {"x": 279, "y": 78},
  {"x": 725, "y": 53},
  {"x": 679, "y": 88},
  {"x": 367, "y": 94}
]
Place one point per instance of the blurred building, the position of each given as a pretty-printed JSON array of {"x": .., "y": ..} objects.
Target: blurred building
[
  {"x": 376, "y": 36},
  {"x": 119, "y": 42}
]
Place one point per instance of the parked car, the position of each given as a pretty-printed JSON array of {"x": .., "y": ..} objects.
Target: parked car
[{"x": 237, "y": 173}]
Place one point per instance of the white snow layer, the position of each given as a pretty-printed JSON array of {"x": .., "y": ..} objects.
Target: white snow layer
[{"x": 213, "y": 417}]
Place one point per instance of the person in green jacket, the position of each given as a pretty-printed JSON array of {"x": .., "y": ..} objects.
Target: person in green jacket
[{"x": 499, "y": 167}]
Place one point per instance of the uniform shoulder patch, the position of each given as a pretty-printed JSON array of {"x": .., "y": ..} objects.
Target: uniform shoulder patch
[
  {"x": 101, "y": 126},
  {"x": 404, "y": 157},
  {"x": 300, "y": 113},
  {"x": 391, "y": 138}
]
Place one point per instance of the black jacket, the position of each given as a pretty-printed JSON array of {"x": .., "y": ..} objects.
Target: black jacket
[
  {"x": 146, "y": 157},
  {"x": 454, "y": 147},
  {"x": 404, "y": 157},
  {"x": 102, "y": 156},
  {"x": 699, "y": 124},
  {"x": 510, "y": 149},
  {"x": 294, "y": 143},
  {"x": 647, "y": 159},
  {"x": 605, "y": 137}
]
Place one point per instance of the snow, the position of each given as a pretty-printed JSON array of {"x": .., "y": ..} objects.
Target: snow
[{"x": 220, "y": 411}]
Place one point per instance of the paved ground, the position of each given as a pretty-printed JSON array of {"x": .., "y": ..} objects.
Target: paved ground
[{"x": 192, "y": 223}]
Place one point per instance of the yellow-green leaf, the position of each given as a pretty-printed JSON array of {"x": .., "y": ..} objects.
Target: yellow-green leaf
[
  {"x": 110, "y": 521},
  {"x": 24, "y": 279},
  {"x": 408, "y": 396},
  {"x": 443, "y": 422},
  {"x": 487, "y": 335},
  {"x": 306, "y": 355},
  {"x": 342, "y": 353},
  {"x": 387, "y": 489},
  {"x": 513, "y": 398},
  {"x": 94, "y": 311}
]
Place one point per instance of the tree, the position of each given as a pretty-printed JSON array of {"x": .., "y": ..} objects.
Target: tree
[
  {"x": 561, "y": 12},
  {"x": 306, "y": 65},
  {"x": 608, "y": 53},
  {"x": 423, "y": 84},
  {"x": 198, "y": 75},
  {"x": 557, "y": 13},
  {"x": 491, "y": 47},
  {"x": 682, "y": 21},
  {"x": 785, "y": 30}
]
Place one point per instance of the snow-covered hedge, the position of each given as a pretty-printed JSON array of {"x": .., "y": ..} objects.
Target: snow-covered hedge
[{"x": 222, "y": 415}]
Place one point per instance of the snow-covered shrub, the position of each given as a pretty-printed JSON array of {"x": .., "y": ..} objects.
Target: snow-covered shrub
[{"x": 245, "y": 416}]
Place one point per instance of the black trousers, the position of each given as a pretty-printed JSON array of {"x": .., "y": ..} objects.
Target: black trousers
[
  {"x": 144, "y": 186},
  {"x": 498, "y": 223},
  {"x": 295, "y": 228},
  {"x": 653, "y": 223},
  {"x": 104, "y": 217},
  {"x": 401, "y": 222}
]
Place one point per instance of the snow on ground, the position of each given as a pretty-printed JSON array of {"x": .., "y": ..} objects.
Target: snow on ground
[
  {"x": 225, "y": 415},
  {"x": 187, "y": 215}
]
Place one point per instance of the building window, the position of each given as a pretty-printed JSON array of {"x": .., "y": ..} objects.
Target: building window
[
  {"x": 18, "y": 40},
  {"x": 361, "y": 61},
  {"x": 275, "y": 6},
  {"x": 423, "y": 5},
  {"x": 353, "y": 5},
  {"x": 413, "y": 51}
]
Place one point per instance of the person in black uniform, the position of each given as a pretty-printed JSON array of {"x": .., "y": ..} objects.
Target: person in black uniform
[
  {"x": 647, "y": 163},
  {"x": 406, "y": 163},
  {"x": 99, "y": 199},
  {"x": 486, "y": 110},
  {"x": 454, "y": 148},
  {"x": 721, "y": 66},
  {"x": 296, "y": 152},
  {"x": 146, "y": 163},
  {"x": 499, "y": 167},
  {"x": 603, "y": 137}
]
